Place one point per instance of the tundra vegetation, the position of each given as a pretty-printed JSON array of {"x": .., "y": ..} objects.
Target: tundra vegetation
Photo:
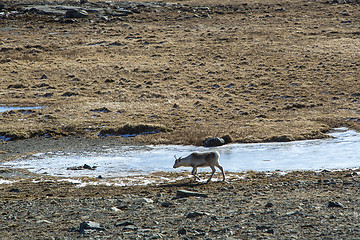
[{"x": 256, "y": 71}]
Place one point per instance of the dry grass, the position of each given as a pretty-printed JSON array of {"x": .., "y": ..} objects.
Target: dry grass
[{"x": 255, "y": 72}]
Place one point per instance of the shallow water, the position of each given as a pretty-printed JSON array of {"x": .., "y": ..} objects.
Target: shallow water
[
  {"x": 8, "y": 108},
  {"x": 340, "y": 152}
]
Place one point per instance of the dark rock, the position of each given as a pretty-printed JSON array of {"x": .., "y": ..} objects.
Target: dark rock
[
  {"x": 47, "y": 95},
  {"x": 15, "y": 190},
  {"x": 89, "y": 225},
  {"x": 265, "y": 229},
  {"x": 167, "y": 204},
  {"x": 195, "y": 214},
  {"x": 351, "y": 174},
  {"x": 124, "y": 224},
  {"x": 87, "y": 167},
  {"x": 269, "y": 205},
  {"x": 84, "y": 167},
  {"x": 307, "y": 226},
  {"x": 69, "y": 21},
  {"x": 74, "y": 13},
  {"x": 185, "y": 193},
  {"x": 17, "y": 85},
  {"x": 332, "y": 204},
  {"x": 69, "y": 94},
  {"x": 182, "y": 231},
  {"x": 130, "y": 228},
  {"x": 214, "y": 142},
  {"x": 227, "y": 138}
]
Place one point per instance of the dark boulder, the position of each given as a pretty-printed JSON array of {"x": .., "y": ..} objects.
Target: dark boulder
[
  {"x": 74, "y": 13},
  {"x": 214, "y": 142}
]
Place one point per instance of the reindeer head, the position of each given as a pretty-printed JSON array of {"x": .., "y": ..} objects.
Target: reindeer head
[{"x": 177, "y": 162}]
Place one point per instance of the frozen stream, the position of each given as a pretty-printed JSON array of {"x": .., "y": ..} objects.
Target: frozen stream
[
  {"x": 6, "y": 108},
  {"x": 340, "y": 152}
]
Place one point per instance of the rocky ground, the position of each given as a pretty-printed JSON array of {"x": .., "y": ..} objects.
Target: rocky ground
[
  {"x": 298, "y": 205},
  {"x": 177, "y": 72}
]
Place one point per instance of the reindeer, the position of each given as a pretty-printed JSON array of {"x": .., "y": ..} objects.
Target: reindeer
[{"x": 195, "y": 160}]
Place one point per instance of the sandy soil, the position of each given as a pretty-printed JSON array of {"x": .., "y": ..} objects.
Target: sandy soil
[{"x": 258, "y": 71}]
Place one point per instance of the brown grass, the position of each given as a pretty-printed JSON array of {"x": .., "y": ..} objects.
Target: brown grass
[{"x": 253, "y": 71}]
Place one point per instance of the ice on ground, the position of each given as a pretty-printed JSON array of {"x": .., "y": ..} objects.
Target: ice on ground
[{"x": 339, "y": 152}]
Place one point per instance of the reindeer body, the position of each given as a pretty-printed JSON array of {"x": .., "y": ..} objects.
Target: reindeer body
[{"x": 195, "y": 160}]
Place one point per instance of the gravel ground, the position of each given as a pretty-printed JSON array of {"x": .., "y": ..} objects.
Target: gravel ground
[{"x": 297, "y": 205}]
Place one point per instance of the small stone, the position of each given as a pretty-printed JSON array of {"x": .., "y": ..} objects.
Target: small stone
[
  {"x": 115, "y": 209},
  {"x": 89, "y": 225},
  {"x": 166, "y": 204},
  {"x": 182, "y": 231},
  {"x": 15, "y": 190},
  {"x": 130, "y": 228},
  {"x": 144, "y": 200},
  {"x": 124, "y": 224},
  {"x": 185, "y": 193},
  {"x": 351, "y": 174},
  {"x": 269, "y": 205},
  {"x": 265, "y": 229},
  {"x": 335, "y": 204},
  {"x": 87, "y": 167},
  {"x": 74, "y": 13},
  {"x": 195, "y": 214},
  {"x": 17, "y": 85},
  {"x": 69, "y": 94}
]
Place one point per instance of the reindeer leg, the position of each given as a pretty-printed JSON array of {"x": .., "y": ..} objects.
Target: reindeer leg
[
  {"x": 222, "y": 170},
  {"x": 212, "y": 174},
  {"x": 194, "y": 172}
]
